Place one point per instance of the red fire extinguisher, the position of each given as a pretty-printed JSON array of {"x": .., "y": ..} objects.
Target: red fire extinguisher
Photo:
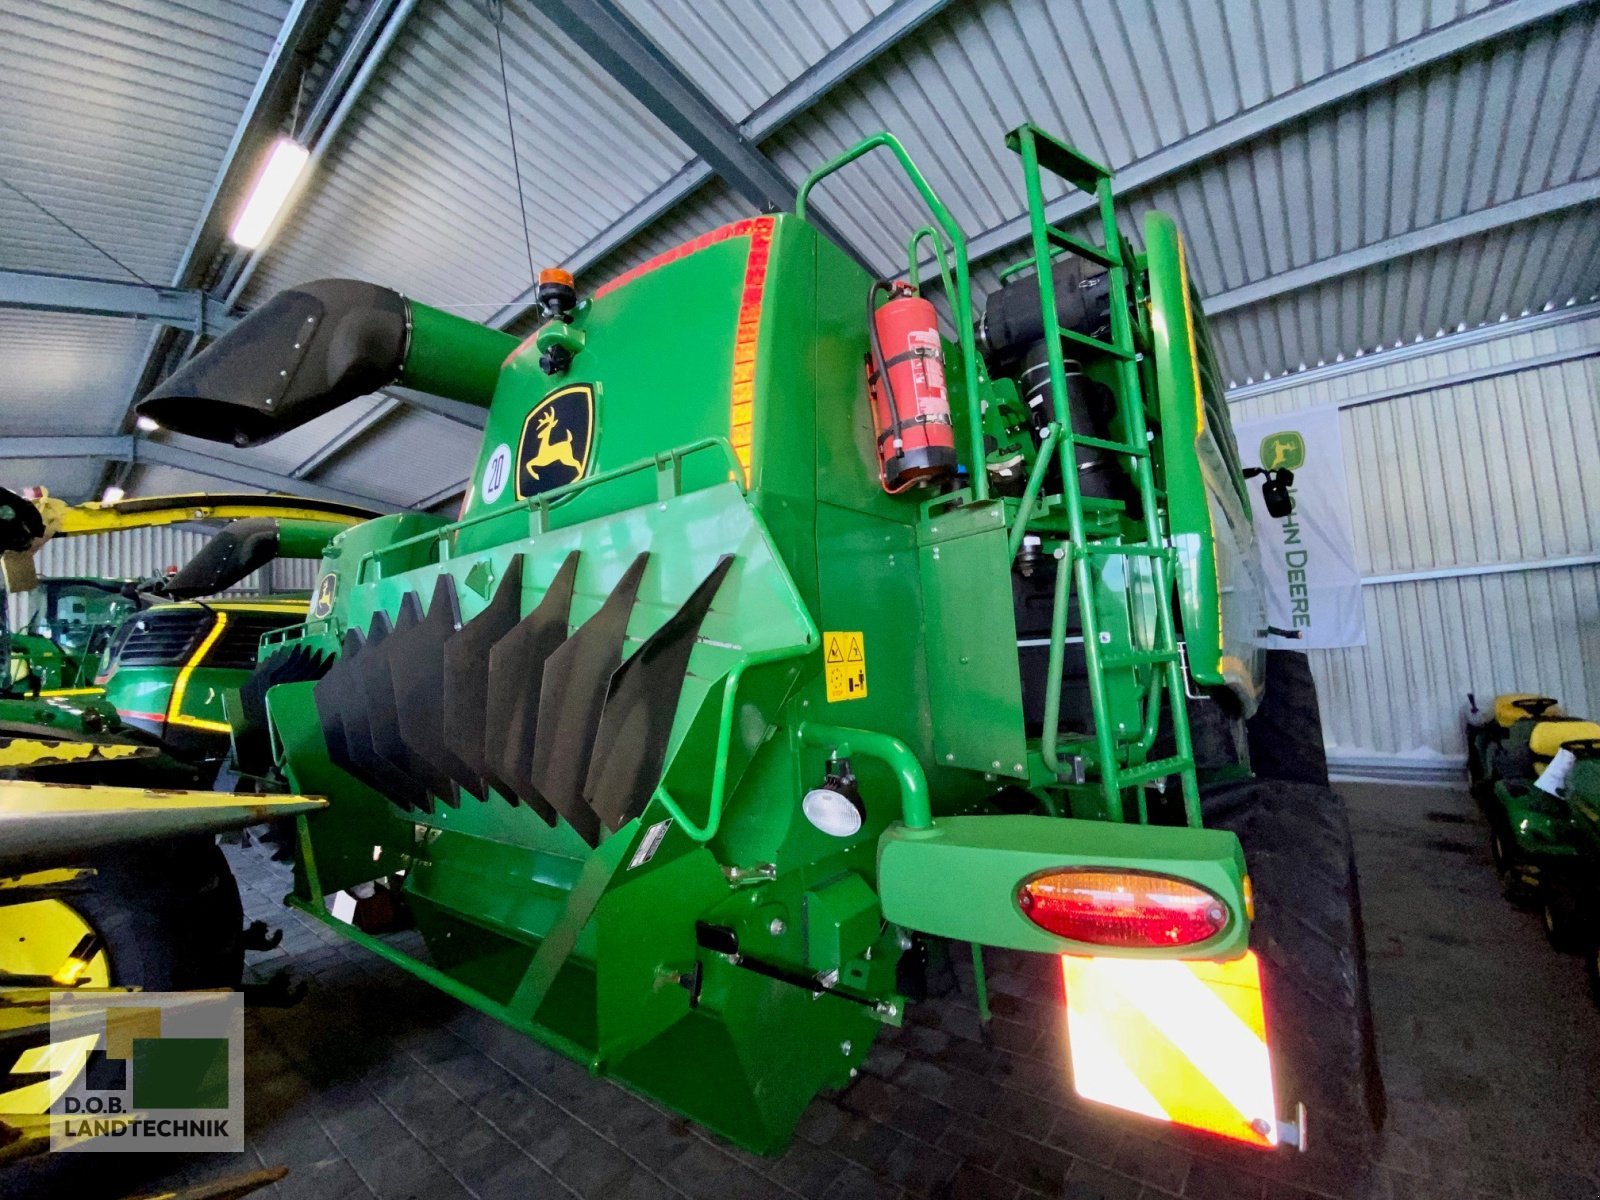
[{"x": 916, "y": 441}]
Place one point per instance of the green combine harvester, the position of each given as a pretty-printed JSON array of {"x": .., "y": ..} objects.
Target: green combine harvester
[{"x": 781, "y": 636}]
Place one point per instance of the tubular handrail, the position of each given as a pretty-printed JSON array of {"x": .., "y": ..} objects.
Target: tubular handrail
[
  {"x": 542, "y": 503},
  {"x": 939, "y": 257},
  {"x": 719, "y": 773},
  {"x": 916, "y": 806},
  {"x": 961, "y": 307}
]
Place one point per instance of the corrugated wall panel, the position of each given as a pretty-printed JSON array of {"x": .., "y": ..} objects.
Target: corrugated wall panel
[{"x": 1455, "y": 479}]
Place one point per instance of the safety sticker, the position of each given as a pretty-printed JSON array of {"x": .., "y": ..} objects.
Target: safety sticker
[
  {"x": 650, "y": 843},
  {"x": 845, "y": 666}
]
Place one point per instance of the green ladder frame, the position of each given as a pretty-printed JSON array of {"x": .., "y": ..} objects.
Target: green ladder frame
[{"x": 1040, "y": 151}]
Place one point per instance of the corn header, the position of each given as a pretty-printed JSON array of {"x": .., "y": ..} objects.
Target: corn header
[{"x": 781, "y": 635}]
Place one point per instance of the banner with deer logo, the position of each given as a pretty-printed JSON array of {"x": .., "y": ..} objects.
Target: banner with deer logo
[{"x": 1309, "y": 556}]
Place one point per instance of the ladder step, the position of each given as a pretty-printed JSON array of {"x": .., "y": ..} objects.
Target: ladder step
[
  {"x": 1060, "y": 159},
  {"x": 1080, "y": 247},
  {"x": 1159, "y": 769},
  {"x": 1079, "y": 439},
  {"x": 1108, "y": 550},
  {"x": 1090, "y": 343},
  {"x": 1139, "y": 658}
]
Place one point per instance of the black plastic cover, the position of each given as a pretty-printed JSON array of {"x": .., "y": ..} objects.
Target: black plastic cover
[
  {"x": 305, "y": 351},
  {"x": 416, "y": 661},
  {"x": 329, "y": 695},
  {"x": 232, "y": 553},
  {"x": 252, "y": 739},
  {"x": 640, "y": 707},
  {"x": 516, "y": 671},
  {"x": 570, "y": 701},
  {"x": 376, "y": 676},
  {"x": 466, "y": 681}
]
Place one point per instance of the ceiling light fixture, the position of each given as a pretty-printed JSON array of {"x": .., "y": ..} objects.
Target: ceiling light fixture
[{"x": 271, "y": 191}]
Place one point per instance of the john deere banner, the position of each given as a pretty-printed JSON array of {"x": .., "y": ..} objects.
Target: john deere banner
[{"x": 1313, "y": 584}]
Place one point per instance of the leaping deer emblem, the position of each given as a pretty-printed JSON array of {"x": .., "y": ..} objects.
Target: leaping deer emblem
[
  {"x": 551, "y": 452},
  {"x": 1281, "y": 448}
]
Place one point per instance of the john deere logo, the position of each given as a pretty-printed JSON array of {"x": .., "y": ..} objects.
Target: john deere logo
[
  {"x": 1283, "y": 451},
  {"x": 557, "y": 439},
  {"x": 322, "y": 601}
]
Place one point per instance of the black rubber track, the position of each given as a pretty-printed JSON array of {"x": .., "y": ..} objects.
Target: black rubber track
[
  {"x": 169, "y": 915},
  {"x": 1286, "y": 732},
  {"x": 1309, "y": 938}
]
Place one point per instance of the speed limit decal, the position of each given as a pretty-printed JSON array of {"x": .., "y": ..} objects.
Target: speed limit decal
[{"x": 497, "y": 473}]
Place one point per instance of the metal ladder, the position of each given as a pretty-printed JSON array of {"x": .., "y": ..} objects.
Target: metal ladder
[{"x": 1089, "y": 551}]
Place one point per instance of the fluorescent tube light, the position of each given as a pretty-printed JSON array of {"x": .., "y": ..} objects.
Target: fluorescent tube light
[{"x": 271, "y": 191}]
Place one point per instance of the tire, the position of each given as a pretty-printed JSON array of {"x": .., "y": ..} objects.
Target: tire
[
  {"x": 1563, "y": 916},
  {"x": 169, "y": 915},
  {"x": 1309, "y": 937},
  {"x": 1503, "y": 854},
  {"x": 1591, "y": 969},
  {"x": 1285, "y": 735}
]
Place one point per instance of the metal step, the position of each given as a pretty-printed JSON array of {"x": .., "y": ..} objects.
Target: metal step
[
  {"x": 1159, "y": 769},
  {"x": 1095, "y": 344},
  {"x": 1138, "y": 658},
  {"x": 1079, "y": 439},
  {"x": 1081, "y": 248},
  {"x": 1061, "y": 159}
]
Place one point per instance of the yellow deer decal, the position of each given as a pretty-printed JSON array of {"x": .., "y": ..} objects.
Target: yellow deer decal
[
  {"x": 551, "y": 452},
  {"x": 1282, "y": 449}
]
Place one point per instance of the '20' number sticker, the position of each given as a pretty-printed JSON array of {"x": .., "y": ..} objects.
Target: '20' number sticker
[{"x": 497, "y": 473}]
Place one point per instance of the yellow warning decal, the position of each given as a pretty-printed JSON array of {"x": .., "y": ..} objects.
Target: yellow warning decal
[
  {"x": 1184, "y": 1042},
  {"x": 845, "y": 665}
]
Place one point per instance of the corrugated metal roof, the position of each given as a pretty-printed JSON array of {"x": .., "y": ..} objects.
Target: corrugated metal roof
[
  {"x": 420, "y": 192},
  {"x": 66, "y": 373},
  {"x": 117, "y": 117},
  {"x": 1119, "y": 81},
  {"x": 1508, "y": 272},
  {"x": 742, "y": 53},
  {"x": 68, "y": 478},
  {"x": 418, "y": 455}
]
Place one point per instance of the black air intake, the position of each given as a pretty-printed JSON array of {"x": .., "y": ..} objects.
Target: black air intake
[
  {"x": 231, "y": 554},
  {"x": 305, "y": 351}
]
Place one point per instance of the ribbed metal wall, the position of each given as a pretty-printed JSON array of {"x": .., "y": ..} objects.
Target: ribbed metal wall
[
  {"x": 1457, "y": 480},
  {"x": 141, "y": 553}
]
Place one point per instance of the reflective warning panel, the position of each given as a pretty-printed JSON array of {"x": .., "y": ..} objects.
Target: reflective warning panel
[
  {"x": 1183, "y": 1042},
  {"x": 845, "y": 665}
]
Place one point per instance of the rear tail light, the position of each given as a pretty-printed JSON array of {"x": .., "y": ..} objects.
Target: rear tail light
[{"x": 1121, "y": 908}]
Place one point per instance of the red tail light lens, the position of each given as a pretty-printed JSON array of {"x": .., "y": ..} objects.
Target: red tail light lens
[{"x": 1121, "y": 908}]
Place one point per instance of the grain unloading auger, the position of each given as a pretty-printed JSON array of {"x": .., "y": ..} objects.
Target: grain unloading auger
[{"x": 778, "y": 635}]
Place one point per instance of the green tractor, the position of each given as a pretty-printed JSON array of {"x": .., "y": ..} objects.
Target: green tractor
[
  {"x": 130, "y": 670},
  {"x": 781, "y": 636}
]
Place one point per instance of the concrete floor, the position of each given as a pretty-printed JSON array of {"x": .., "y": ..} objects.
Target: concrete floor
[{"x": 376, "y": 1085}]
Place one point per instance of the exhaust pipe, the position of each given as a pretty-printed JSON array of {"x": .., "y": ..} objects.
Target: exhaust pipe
[{"x": 312, "y": 348}]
